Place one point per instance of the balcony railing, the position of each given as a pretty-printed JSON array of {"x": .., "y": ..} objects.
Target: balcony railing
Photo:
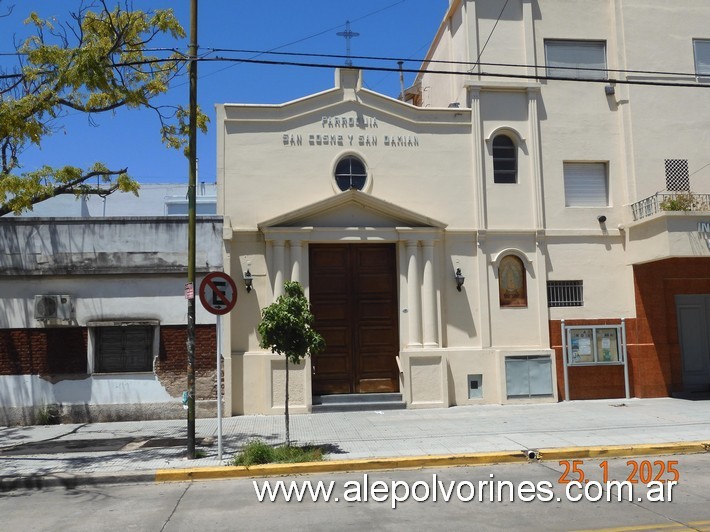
[{"x": 670, "y": 201}]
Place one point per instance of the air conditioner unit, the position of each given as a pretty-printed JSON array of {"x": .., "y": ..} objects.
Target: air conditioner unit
[{"x": 53, "y": 307}]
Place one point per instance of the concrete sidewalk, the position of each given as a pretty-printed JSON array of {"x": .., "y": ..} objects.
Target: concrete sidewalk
[{"x": 134, "y": 451}]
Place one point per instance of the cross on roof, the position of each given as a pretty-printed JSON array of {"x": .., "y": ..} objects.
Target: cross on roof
[{"x": 348, "y": 36}]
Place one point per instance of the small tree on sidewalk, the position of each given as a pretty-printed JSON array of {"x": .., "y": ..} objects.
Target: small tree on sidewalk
[{"x": 286, "y": 329}]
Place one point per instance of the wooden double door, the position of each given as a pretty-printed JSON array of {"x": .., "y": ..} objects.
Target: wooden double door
[{"x": 353, "y": 294}]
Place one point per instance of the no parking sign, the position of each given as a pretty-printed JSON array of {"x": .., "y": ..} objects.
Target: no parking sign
[{"x": 218, "y": 293}]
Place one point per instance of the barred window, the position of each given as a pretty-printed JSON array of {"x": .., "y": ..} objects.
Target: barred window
[{"x": 565, "y": 294}]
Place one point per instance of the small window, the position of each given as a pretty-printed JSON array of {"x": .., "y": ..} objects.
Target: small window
[
  {"x": 124, "y": 349},
  {"x": 576, "y": 59},
  {"x": 702, "y": 57},
  {"x": 512, "y": 286},
  {"x": 586, "y": 185},
  {"x": 350, "y": 173},
  {"x": 565, "y": 294},
  {"x": 505, "y": 160}
]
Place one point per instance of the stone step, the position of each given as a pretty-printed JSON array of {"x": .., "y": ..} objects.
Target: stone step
[
  {"x": 358, "y": 407},
  {"x": 358, "y": 402},
  {"x": 356, "y": 398}
]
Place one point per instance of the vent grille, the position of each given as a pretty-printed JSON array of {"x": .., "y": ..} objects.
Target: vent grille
[
  {"x": 565, "y": 294},
  {"x": 677, "y": 175}
]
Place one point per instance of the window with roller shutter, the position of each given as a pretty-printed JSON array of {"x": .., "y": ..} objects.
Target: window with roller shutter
[{"x": 586, "y": 185}]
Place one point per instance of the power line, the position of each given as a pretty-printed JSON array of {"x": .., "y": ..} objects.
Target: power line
[
  {"x": 448, "y": 72},
  {"x": 273, "y": 51},
  {"x": 204, "y": 58},
  {"x": 449, "y": 62}
]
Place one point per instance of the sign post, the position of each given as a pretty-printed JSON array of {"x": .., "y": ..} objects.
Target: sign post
[{"x": 218, "y": 294}]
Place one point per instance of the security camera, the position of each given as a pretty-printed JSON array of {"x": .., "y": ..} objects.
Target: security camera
[{"x": 601, "y": 218}]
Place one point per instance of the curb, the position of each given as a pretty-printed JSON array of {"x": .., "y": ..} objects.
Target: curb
[
  {"x": 71, "y": 481},
  {"x": 615, "y": 451},
  {"x": 421, "y": 462}
]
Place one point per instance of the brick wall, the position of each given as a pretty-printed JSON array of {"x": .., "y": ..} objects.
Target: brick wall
[
  {"x": 63, "y": 351},
  {"x": 657, "y": 284},
  {"x": 55, "y": 351},
  {"x": 171, "y": 367},
  {"x": 652, "y": 337}
]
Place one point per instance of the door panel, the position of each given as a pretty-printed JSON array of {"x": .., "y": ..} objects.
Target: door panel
[
  {"x": 694, "y": 336},
  {"x": 353, "y": 290}
]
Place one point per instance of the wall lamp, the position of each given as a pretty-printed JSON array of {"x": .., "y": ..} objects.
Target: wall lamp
[
  {"x": 248, "y": 280},
  {"x": 459, "y": 279}
]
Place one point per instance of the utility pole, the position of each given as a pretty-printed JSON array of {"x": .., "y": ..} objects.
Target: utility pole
[{"x": 191, "y": 232}]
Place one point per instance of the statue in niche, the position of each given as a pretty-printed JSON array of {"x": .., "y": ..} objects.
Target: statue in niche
[{"x": 511, "y": 282}]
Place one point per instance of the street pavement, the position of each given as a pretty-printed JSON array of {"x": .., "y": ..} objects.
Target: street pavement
[{"x": 39, "y": 456}]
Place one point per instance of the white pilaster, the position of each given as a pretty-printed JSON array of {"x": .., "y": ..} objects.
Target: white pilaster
[
  {"x": 536, "y": 159},
  {"x": 478, "y": 152},
  {"x": 529, "y": 25},
  {"x": 413, "y": 295},
  {"x": 278, "y": 267},
  {"x": 429, "y": 325},
  {"x": 296, "y": 260}
]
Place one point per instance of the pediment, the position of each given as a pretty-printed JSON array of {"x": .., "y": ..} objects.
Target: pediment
[{"x": 352, "y": 209}]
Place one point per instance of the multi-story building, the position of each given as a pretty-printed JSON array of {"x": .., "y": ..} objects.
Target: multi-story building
[{"x": 531, "y": 224}]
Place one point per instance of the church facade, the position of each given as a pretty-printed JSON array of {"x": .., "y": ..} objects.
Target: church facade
[{"x": 491, "y": 238}]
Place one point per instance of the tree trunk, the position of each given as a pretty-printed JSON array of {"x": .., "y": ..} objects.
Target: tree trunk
[{"x": 288, "y": 435}]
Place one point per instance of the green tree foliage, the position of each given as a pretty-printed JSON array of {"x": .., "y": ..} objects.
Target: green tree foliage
[
  {"x": 286, "y": 329},
  {"x": 94, "y": 63}
]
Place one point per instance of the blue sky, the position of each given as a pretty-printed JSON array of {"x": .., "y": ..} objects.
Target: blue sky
[{"x": 387, "y": 28}]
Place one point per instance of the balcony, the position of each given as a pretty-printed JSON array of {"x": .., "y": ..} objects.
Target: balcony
[
  {"x": 671, "y": 202},
  {"x": 669, "y": 225}
]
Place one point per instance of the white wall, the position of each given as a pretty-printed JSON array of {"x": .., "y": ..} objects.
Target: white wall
[
  {"x": 101, "y": 298},
  {"x": 32, "y": 390}
]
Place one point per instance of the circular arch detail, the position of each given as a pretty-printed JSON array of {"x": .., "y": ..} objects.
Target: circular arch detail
[
  {"x": 350, "y": 153},
  {"x": 496, "y": 258},
  {"x": 517, "y": 138}
]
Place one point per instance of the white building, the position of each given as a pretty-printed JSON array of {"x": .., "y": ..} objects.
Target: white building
[
  {"x": 566, "y": 205},
  {"x": 93, "y": 308}
]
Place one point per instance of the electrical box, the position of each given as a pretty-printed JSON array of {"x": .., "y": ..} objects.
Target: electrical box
[{"x": 475, "y": 386}]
